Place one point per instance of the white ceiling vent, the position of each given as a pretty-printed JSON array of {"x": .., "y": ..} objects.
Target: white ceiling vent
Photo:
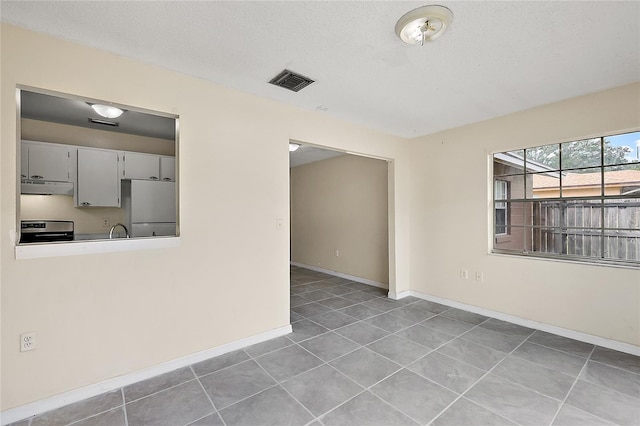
[{"x": 290, "y": 80}]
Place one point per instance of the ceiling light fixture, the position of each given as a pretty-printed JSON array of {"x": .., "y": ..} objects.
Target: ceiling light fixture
[
  {"x": 426, "y": 23},
  {"x": 107, "y": 111},
  {"x": 293, "y": 146}
]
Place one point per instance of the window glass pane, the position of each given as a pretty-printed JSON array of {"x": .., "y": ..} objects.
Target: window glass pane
[
  {"x": 621, "y": 149},
  {"x": 501, "y": 221},
  {"x": 622, "y": 245},
  {"x": 582, "y": 183},
  {"x": 570, "y": 242},
  {"x": 622, "y": 214},
  {"x": 543, "y": 185},
  {"x": 622, "y": 180},
  {"x": 543, "y": 158},
  {"x": 508, "y": 163},
  {"x": 515, "y": 186},
  {"x": 584, "y": 153},
  {"x": 513, "y": 239},
  {"x": 568, "y": 213}
]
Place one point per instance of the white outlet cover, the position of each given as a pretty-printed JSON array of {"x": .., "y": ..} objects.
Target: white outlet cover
[{"x": 27, "y": 341}]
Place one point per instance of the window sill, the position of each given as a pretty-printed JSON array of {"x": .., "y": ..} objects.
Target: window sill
[
  {"x": 35, "y": 251},
  {"x": 570, "y": 260}
]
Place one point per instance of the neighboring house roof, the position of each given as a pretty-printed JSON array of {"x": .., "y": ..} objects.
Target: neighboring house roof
[{"x": 614, "y": 178}]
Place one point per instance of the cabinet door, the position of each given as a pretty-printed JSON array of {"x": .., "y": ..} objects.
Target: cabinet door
[
  {"x": 98, "y": 178},
  {"x": 168, "y": 169},
  {"x": 141, "y": 166},
  {"x": 49, "y": 162}
]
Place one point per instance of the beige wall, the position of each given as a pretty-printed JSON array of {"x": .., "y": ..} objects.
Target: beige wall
[
  {"x": 103, "y": 315},
  {"x": 450, "y": 222},
  {"x": 341, "y": 204}
]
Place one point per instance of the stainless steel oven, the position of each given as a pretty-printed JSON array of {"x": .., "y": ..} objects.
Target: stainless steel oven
[{"x": 46, "y": 231}]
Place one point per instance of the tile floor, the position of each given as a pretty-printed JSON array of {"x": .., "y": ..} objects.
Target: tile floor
[{"x": 356, "y": 357}]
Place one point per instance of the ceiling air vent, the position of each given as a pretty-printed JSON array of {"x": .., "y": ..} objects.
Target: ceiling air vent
[{"x": 290, "y": 80}]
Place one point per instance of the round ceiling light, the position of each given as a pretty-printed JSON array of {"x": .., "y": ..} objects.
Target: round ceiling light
[
  {"x": 107, "y": 111},
  {"x": 426, "y": 23}
]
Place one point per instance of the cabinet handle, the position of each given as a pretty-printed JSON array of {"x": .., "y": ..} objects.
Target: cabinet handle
[
  {"x": 84, "y": 203},
  {"x": 36, "y": 177},
  {"x": 23, "y": 176},
  {"x": 166, "y": 179},
  {"x": 153, "y": 177}
]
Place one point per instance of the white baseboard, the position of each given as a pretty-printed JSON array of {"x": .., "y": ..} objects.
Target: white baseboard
[
  {"x": 66, "y": 398},
  {"x": 341, "y": 275},
  {"x": 571, "y": 334}
]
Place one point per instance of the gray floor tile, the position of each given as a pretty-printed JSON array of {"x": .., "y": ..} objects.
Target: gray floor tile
[
  {"x": 341, "y": 290},
  {"x": 336, "y": 302},
  {"x": 436, "y": 308},
  {"x": 316, "y": 295},
  {"x": 379, "y": 291},
  {"x": 297, "y": 300},
  {"x": 550, "y": 358},
  {"x": 179, "y": 405},
  {"x": 230, "y": 385},
  {"x": 612, "y": 378},
  {"x": 560, "y": 343},
  {"x": 310, "y": 309},
  {"x": 219, "y": 362},
  {"x": 472, "y": 353},
  {"x": 211, "y": 420},
  {"x": 425, "y": 336},
  {"x": 602, "y": 402},
  {"x": 288, "y": 362},
  {"x": 389, "y": 322},
  {"x": 362, "y": 333},
  {"x": 447, "y": 325},
  {"x": 20, "y": 423},
  {"x": 507, "y": 328},
  {"x": 383, "y": 304},
  {"x": 465, "y": 413},
  {"x": 305, "y": 329},
  {"x": 80, "y": 410},
  {"x": 412, "y": 313},
  {"x": 357, "y": 286},
  {"x": 446, "y": 371},
  {"x": 360, "y": 311},
  {"x": 271, "y": 407},
  {"x": 536, "y": 377},
  {"x": 399, "y": 350},
  {"x": 617, "y": 359},
  {"x": 366, "y": 410},
  {"x": 493, "y": 339},
  {"x": 521, "y": 405},
  {"x": 158, "y": 383},
  {"x": 329, "y": 346},
  {"x": 464, "y": 316},
  {"x": 268, "y": 346},
  {"x": 110, "y": 418},
  {"x": 419, "y": 398},
  {"x": 365, "y": 366},
  {"x": 570, "y": 416},
  {"x": 322, "y": 389},
  {"x": 293, "y": 317},
  {"x": 333, "y": 320},
  {"x": 360, "y": 296}
]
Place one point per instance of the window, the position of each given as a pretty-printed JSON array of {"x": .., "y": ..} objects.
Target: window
[
  {"x": 575, "y": 200},
  {"x": 500, "y": 188}
]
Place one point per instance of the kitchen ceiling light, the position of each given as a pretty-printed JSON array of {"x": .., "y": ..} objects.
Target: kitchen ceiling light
[
  {"x": 293, "y": 147},
  {"x": 426, "y": 23},
  {"x": 107, "y": 111}
]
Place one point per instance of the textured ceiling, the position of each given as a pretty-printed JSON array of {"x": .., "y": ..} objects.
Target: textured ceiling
[{"x": 497, "y": 57}]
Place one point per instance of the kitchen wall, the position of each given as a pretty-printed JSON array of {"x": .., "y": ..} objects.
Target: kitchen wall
[
  {"x": 99, "y": 316},
  {"x": 451, "y": 222},
  {"x": 341, "y": 204}
]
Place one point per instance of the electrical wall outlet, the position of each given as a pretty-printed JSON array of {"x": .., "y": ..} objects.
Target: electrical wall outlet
[
  {"x": 27, "y": 341},
  {"x": 479, "y": 277},
  {"x": 106, "y": 221},
  {"x": 337, "y": 253},
  {"x": 464, "y": 274}
]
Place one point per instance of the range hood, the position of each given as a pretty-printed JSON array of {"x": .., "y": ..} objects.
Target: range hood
[{"x": 40, "y": 187}]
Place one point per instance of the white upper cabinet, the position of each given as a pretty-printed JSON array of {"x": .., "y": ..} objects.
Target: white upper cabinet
[
  {"x": 168, "y": 169},
  {"x": 98, "y": 178},
  {"x": 141, "y": 166},
  {"x": 47, "y": 162}
]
